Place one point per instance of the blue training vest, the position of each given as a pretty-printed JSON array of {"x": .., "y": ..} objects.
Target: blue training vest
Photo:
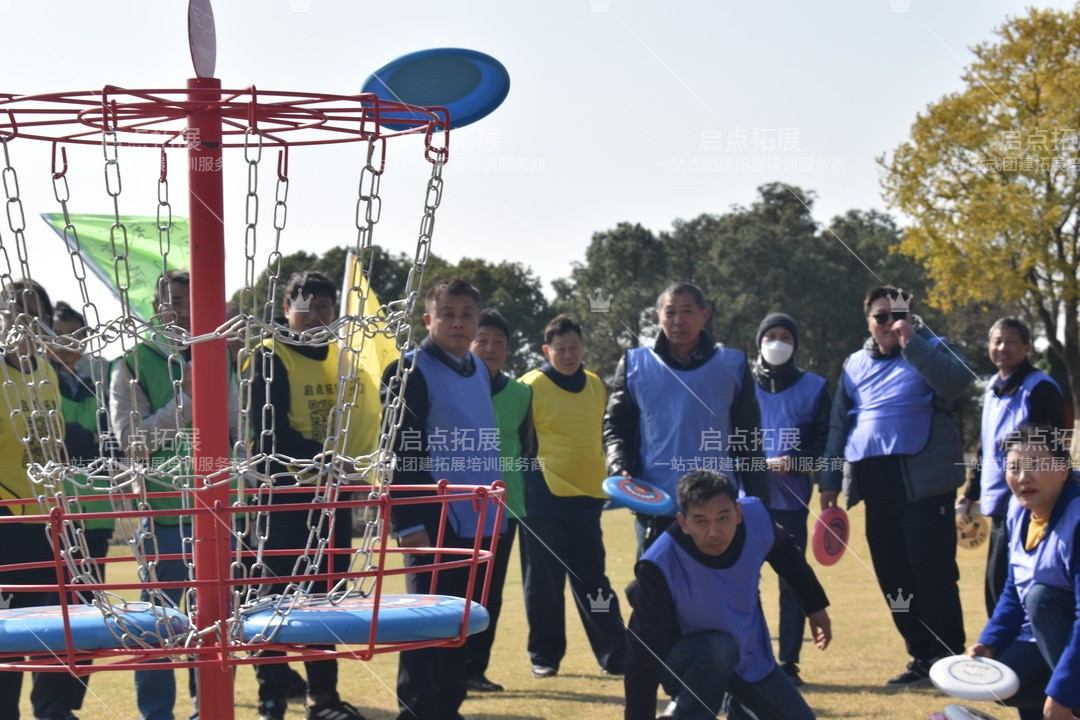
[
  {"x": 459, "y": 408},
  {"x": 1002, "y": 415},
  {"x": 891, "y": 406},
  {"x": 786, "y": 417},
  {"x": 724, "y": 599},
  {"x": 676, "y": 406},
  {"x": 1049, "y": 562}
]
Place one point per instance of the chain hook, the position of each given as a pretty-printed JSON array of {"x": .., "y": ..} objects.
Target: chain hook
[{"x": 63, "y": 158}]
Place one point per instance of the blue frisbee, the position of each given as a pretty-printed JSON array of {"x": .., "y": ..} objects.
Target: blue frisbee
[
  {"x": 34, "y": 629},
  {"x": 639, "y": 496},
  {"x": 469, "y": 84},
  {"x": 402, "y": 618}
]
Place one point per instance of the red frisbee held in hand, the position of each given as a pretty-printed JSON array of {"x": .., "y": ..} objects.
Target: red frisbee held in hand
[{"x": 831, "y": 536}]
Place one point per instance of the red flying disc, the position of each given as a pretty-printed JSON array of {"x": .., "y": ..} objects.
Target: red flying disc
[{"x": 831, "y": 534}]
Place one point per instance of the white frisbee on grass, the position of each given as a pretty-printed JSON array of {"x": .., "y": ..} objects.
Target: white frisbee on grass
[{"x": 977, "y": 678}]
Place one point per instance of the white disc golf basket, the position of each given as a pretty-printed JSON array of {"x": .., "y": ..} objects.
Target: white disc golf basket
[{"x": 224, "y": 488}]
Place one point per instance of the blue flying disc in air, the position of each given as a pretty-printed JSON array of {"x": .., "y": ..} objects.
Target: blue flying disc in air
[
  {"x": 469, "y": 84},
  {"x": 639, "y": 496}
]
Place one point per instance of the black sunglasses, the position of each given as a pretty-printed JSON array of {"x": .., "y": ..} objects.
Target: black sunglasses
[{"x": 882, "y": 318}]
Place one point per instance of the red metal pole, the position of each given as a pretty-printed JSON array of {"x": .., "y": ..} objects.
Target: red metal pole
[{"x": 209, "y": 384}]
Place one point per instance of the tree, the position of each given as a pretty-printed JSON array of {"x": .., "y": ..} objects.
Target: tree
[
  {"x": 626, "y": 268},
  {"x": 991, "y": 181}
]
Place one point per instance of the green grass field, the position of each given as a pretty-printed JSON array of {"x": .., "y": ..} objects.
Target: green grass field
[{"x": 845, "y": 681}]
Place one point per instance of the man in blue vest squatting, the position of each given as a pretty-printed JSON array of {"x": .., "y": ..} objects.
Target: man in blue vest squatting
[
  {"x": 512, "y": 401},
  {"x": 1017, "y": 394},
  {"x": 698, "y": 627},
  {"x": 684, "y": 401},
  {"x": 1035, "y": 628},
  {"x": 891, "y": 424},
  {"x": 448, "y": 408},
  {"x": 795, "y": 407}
]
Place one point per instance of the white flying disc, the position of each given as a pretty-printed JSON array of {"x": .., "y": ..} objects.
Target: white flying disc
[
  {"x": 971, "y": 678},
  {"x": 959, "y": 712}
]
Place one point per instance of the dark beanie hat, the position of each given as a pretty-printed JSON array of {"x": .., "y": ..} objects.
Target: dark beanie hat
[{"x": 778, "y": 320}]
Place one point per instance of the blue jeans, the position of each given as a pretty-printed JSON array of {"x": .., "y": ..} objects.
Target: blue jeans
[
  {"x": 1052, "y": 611},
  {"x": 702, "y": 671},
  {"x": 155, "y": 690}
]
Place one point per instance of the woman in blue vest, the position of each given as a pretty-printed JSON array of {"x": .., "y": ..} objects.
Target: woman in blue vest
[
  {"x": 698, "y": 626},
  {"x": 891, "y": 423},
  {"x": 685, "y": 403},
  {"x": 795, "y": 407},
  {"x": 1035, "y": 628},
  {"x": 1017, "y": 394}
]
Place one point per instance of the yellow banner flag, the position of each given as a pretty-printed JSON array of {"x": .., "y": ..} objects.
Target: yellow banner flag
[{"x": 365, "y": 357}]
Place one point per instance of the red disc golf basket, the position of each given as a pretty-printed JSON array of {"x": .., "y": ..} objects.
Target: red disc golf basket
[{"x": 206, "y": 481}]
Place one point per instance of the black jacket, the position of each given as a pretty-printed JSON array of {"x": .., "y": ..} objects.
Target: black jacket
[{"x": 622, "y": 441}]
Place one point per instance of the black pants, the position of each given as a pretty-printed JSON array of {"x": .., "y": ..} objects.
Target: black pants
[
  {"x": 557, "y": 548},
  {"x": 289, "y": 530},
  {"x": 58, "y": 693},
  {"x": 792, "y": 617},
  {"x": 478, "y": 647},
  {"x": 997, "y": 563},
  {"x": 913, "y": 547},
  {"x": 431, "y": 681},
  {"x": 22, "y": 543}
]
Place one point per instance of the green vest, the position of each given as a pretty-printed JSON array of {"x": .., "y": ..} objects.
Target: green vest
[
  {"x": 84, "y": 413},
  {"x": 156, "y": 377},
  {"x": 511, "y": 406}
]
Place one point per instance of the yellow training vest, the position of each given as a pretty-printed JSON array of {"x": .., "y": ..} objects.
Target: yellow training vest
[
  {"x": 568, "y": 431},
  {"x": 313, "y": 395},
  {"x": 35, "y": 395}
]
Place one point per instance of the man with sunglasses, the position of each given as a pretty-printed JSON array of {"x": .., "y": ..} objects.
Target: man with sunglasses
[{"x": 904, "y": 456}]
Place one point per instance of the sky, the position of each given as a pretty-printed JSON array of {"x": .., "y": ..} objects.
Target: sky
[{"x": 629, "y": 111}]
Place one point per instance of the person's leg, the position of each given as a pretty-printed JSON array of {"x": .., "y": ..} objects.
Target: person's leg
[
  {"x": 997, "y": 563},
  {"x": 930, "y": 540},
  {"x": 478, "y": 647},
  {"x": 771, "y": 698},
  {"x": 155, "y": 690},
  {"x": 894, "y": 574},
  {"x": 1052, "y": 612},
  {"x": 545, "y": 544},
  {"x": 1033, "y": 672},
  {"x": 792, "y": 618},
  {"x": 700, "y": 667},
  {"x": 590, "y": 586},
  {"x": 647, "y": 528}
]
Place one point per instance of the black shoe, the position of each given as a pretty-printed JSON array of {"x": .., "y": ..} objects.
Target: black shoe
[
  {"x": 297, "y": 686},
  {"x": 272, "y": 709},
  {"x": 480, "y": 683},
  {"x": 544, "y": 671},
  {"x": 916, "y": 675},
  {"x": 792, "y": 671},
  {"x": 611, "y": 671},
  {"x": 333, "y": 711}
]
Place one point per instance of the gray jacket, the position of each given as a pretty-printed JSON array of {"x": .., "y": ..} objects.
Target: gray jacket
[{"x": 939, "y": 467}]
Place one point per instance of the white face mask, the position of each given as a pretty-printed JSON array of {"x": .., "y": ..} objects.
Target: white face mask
[{"x": 776, "y": 352}]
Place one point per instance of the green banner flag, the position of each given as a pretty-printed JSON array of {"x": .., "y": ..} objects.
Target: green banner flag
[{"x": 144, "y": 254}]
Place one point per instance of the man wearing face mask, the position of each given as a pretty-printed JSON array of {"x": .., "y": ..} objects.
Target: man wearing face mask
[
  {"x": 795, "y": 407},
  {"x": 890, "y": 422}
]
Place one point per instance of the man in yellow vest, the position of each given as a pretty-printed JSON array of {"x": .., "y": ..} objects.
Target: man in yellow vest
[
  {"x": 150, "y": 410},
  {"x": 512, "y": 401},
  {"x": 303, "y": 390},
  {"x": 562, "y": 535},
  {"x": 33, "y": 432}
]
